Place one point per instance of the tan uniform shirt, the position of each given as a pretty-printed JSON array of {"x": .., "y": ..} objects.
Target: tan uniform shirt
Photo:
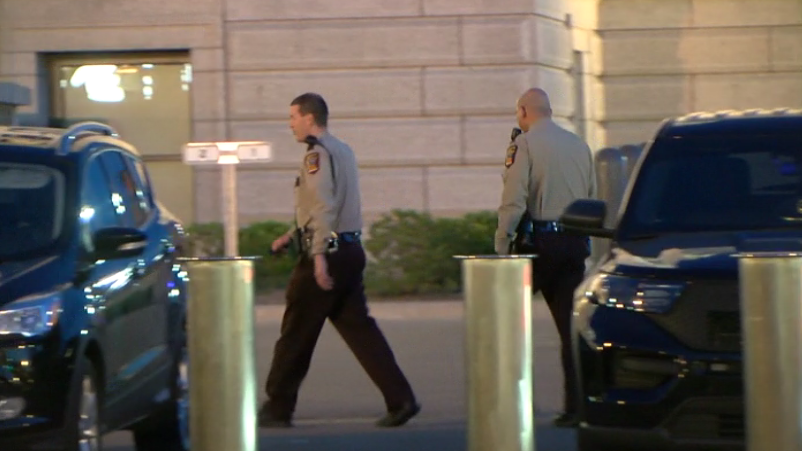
[
  {"x": 327, "y": 199},
  {"x": 546, "y": 169}
]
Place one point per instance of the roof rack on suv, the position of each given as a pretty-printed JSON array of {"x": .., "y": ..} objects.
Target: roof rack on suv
[
  {"x": 725, "y": 114},
  {"x": 73, "y": 133}
]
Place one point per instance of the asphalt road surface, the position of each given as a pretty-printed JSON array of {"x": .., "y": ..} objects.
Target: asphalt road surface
[{"x": 338, "y": 403}]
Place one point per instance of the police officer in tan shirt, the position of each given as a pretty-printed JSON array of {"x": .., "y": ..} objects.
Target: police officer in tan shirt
[
  {"x": 547, "y": 168},
  {"x": 327, "y": 282}
]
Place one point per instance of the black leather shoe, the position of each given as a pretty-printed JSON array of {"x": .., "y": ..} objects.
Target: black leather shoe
[
  {"x": 267, "y": 420},
  {"x": 566, "y": 420},
  {"x": 399, "y": 417}
]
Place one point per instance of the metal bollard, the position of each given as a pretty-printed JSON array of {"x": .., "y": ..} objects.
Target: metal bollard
[
  {"x": 498, "y": 311},
  {"x": 222, "y": 371},
  {"x": 611, "y": 179},
  {"x": 632, "y": 153},
  {"x": 771, "y": 314}
]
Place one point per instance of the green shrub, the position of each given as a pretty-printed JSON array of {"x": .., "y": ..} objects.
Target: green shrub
[
  {"x": 270, "y": 272},
  {"x": 205, "y": 240},
  {"x": 411, "y": 252},
  {"x": 414, "y": 252}
]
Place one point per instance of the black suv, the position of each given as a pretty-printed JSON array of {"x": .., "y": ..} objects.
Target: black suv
[
  {"x": 92, "y": 299},
  {"x": 657, "y": 329}
]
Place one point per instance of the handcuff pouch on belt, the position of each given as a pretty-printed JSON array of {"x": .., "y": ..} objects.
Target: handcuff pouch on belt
[
  {"x": 524, "y": 240},
  {"x": 306, "y": 236}
]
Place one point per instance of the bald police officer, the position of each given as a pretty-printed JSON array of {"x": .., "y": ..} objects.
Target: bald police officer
[
  {"x": 327, "y": 279},
  {"x": 547, "y": 168}
]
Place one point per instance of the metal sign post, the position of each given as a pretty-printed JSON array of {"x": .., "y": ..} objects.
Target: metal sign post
[
  {"x": 498, "y": 315},
  {"x": 220, "y": 322},
  {"x": 228, "y": 155}
]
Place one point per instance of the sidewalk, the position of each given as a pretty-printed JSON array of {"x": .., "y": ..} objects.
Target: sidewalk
[
  {"x": 333, "y": 436},
  {"x": 445, "y": 436},
  {"x": 276, "y": 297},
  {"x": 407, "y": 309},
  {"x": 338, "y": 403}
]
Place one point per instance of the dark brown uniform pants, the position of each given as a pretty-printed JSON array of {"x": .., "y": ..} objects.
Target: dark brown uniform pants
[
  {"x": 308, "y": 307},
  {"x": 557, "y": 272}
]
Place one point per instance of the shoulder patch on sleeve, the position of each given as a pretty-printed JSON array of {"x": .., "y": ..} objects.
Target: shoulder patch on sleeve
[
  {"x": 312, "y": 162},
  {"x": 511, "y": 151}
]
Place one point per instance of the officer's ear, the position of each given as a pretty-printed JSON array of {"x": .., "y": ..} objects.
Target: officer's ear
[{"x": 309, "y": 119}]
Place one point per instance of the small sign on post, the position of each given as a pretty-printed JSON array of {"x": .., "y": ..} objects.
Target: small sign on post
[
  {"x": 228, "y": 155},
  {"x": 201, "y": 153}
]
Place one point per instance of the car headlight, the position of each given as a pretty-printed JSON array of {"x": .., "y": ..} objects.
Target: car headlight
[
  {"x": 31, "y": 315},
  {"x": 649, "y": 296}
]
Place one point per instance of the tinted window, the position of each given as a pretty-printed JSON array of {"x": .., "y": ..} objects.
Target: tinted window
[
  {"x": 122, "y": 182},
  {"x": 717, "y": 183},
  {"x": 97, "y": 207},
  {"x": 32, "y": 208},
  {"x": 142, "y": 183}
]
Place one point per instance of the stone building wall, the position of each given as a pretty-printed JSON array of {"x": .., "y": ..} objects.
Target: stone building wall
[
  {"x": 667, "y": 57},
  {"x": 424, "y": 90}
]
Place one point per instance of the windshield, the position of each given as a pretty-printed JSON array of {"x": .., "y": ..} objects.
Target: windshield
[
  {"x": 31, "y": 208},
  {"x": 717, "y": 183}
]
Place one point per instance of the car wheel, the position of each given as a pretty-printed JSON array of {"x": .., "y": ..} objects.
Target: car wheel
[
  {"x": 84, "y": 423},
  {"x": 168, "y": 429}
]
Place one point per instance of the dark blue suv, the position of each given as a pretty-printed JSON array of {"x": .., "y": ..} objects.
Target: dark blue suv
[
  {"x": 657, "y": 328},
  {"x": 92, "y": 297}
]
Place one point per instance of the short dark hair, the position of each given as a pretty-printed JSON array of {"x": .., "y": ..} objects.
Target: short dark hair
[{"x": 312, "y": 103}]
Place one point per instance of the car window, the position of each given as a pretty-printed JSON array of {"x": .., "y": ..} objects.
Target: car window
[
  {"x": 32, "y": 205},
  {"x": 142, "y": 182},
  {"x": 122, "y": 183},
  {"x": 717, "y": 183},
  {"x": 98, "y": 208}
]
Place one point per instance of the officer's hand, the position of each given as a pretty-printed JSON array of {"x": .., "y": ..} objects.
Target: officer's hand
[
  {"x": 322, "y": 276},
  {"x": 280, "y": 243},
  {"x": 502, "y": 246}
]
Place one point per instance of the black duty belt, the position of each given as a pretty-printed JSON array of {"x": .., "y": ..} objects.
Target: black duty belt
[
  {"x": 306, "y": 236},
  {"x": 350, "y": 237},
  {"x": 546, "y": 226}
]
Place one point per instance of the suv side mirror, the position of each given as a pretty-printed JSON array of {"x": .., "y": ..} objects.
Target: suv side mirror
[
  {"x": 118, "y": 242},
  {"x": 586, "y": 217}
]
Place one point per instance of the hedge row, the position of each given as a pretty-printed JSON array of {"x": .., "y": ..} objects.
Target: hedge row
[{"x": 410, "y": 252}]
